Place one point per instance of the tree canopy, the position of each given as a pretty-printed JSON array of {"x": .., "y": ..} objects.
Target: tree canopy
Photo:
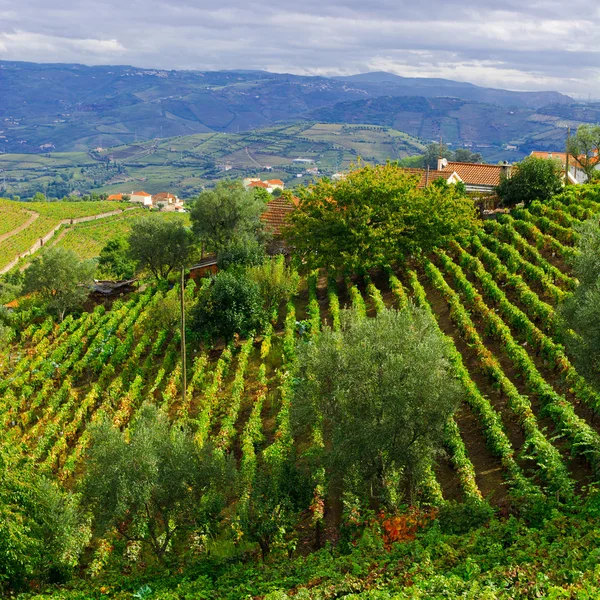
[
  {"x": 384, "y": 390},
  {"x": 227, "y": 212},
  {"x": 581, "y": 310},
  {"x": 159, "y": 245},
  {"x": 115, "y": 260},
  {"x": 61, "y": 279},
  {"x": 531, "y": 179},
  {"x": 583, "y": 148},
  {"x": 153, "y": 484},
  {"x": 374, "y": 216}
]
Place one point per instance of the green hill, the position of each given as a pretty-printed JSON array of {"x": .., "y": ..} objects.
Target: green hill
[
  {"x": 185, "y": 164},
  {"x": 524, "y": 443}
]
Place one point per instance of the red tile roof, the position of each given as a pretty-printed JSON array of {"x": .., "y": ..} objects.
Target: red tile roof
[
  {"x": 561, "y": 156},
  {"x": 259, "y": 184},
  {"x": 275, "y": 181},
  {"x": 163, "y": 196},
  {"x": 425, "y": 177},
  {"x": 115, "y": 197},
  {"x": 141, "y": 194},
  {"x": 276, "y": 214},
  {"x": 476, "y": 173}
]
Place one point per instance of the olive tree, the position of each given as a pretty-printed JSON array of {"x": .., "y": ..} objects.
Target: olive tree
[
  {"x": 152, "y": 485},
  {"x": 581, "y": 310},
  {"x": 226, "y": 213},
  {"x": 61, "y": 279},
  {"x": 383, "y": 390},
  {"x": 583, "y": 148},
  {"x": 159, "y": 244}
]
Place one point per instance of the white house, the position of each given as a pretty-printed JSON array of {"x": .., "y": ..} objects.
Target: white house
[
  {"x": 576, "y": 173},
  {"x": 141, "y": 197}
]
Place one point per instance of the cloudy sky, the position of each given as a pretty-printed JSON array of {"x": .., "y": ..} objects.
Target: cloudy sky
[{"x": 514, "y": 44}]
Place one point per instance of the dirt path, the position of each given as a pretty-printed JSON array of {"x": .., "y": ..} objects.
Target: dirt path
[
  {"x": 43, "y": 241},
  {"x": 20, "y": 228}
]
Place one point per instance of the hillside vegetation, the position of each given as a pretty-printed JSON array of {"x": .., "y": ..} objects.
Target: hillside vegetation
[
  {"x": 78, "y": 108},
  {"x": 184, "y": 164},
  {"x": 27, "y": 226},
  {"x": 508, "y": 511}
]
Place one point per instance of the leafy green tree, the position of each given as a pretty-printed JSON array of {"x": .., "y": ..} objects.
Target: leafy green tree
[
  {"x": 154, "y": 487},
  {"x": 61, "y": 279},
  {"x": 276, "y": 281},
  {"x": 531, "y": 179},
  {"x": 115, "y": 260},
  {"x": 159, "y": 245},
  {"x": 232, "y": 304},
  {"x": 42, "y": 533},
  {"x": 375, "y": 216},
  {"x": 583, "y": 148},
  {"x": 433, "y": 152},
  {"x": 382, "y": 390},
  {"x": 465, "y": 155},
  {"x": 581, "y": 310},
  {"x": 227, "y": 212},
  {"x": 241, "y": 252},
  {"x": 269, "y": 517}
]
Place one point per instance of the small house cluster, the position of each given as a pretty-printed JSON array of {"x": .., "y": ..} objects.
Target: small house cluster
[
  {"x": 270, "y": 185},
  {"x": 163, "y": 200}
]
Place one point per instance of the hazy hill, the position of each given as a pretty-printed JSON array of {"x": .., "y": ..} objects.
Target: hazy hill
[{"x": 66, "y": 107}]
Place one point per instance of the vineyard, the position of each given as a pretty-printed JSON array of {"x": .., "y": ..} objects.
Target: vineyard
[
  {"x": 24, "y": 224},
  {"x": 87, "y": 239},
  {"x": 526, "y": 424},
  {"x": 524, "y": 433}
]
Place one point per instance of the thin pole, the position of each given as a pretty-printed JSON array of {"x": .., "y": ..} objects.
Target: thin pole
[
  {"x": 183, "y": 356},
  {"x": 567, "y": 157}
]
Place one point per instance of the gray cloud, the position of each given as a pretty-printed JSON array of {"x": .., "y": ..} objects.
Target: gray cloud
[{"x": 514, "y": 44}]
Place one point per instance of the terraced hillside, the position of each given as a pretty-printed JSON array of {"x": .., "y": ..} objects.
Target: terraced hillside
[
  {"x": 183, "y": 164},
  {"x": 525, "y": 430},
  {"x": 26, "y": 227}
]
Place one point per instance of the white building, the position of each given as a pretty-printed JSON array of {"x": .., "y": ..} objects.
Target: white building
[{"x": 142, "y": 197}]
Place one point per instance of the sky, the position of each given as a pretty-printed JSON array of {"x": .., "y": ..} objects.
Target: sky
[{"x": 511, "y": 44}]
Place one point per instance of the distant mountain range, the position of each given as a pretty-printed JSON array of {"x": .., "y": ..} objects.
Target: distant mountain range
[{"x": 69, "y": 107}]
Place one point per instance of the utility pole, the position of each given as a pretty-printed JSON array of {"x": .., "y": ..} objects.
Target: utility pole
[
  {"x": 567, "y": 157},
  {"x": 183, "y": 357}
]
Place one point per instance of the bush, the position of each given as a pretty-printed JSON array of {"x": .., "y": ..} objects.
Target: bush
[
  {"x": 243, "y": 252},
  {"x": 232, "y": 304},
  {"x": 461, "y": 517}
]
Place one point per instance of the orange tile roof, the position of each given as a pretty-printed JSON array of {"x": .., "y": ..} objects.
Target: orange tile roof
[
  {"x": 115, "y": 197},
  {"x": 425, "y": 178},
  {"x": 163, "y": 196},
  {"x": 260, "y": 184},
  {"x": 141, "y": 194},
  {"x": 278, "y": 209},
  {"x": 476, "y": 173},
  {"x": 275, "y": 181},
  {"x": 562, "y": 156}
]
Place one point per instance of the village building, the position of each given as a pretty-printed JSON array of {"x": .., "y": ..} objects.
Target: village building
[
  {"x": 477, "y": 177},
  {"x": 142, "y": 197},
  {"x": 428, "y": 176},
  {"x": 576, "y": 174},
  {"x": 270, "y": 185},
  {"x": 168, "y": 201},
  {"x": 116, "y": 197}
]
